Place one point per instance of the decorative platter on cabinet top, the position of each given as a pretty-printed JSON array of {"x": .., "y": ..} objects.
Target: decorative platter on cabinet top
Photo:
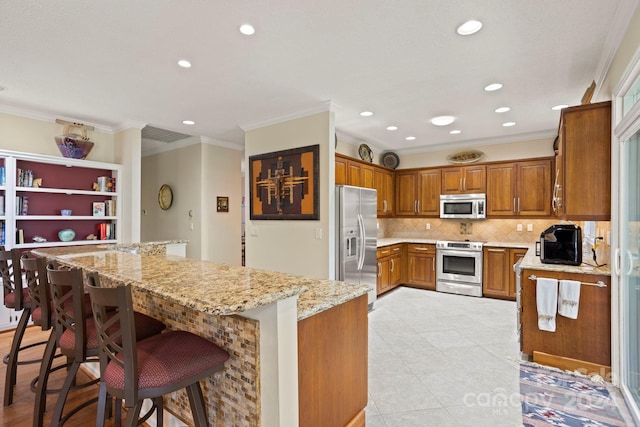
[
  {"x": 468, "y": 156},
  {"x": 390, "y": 160},
  {"x": 365, "y": 153},
  {"x": 165, "y": 197}
]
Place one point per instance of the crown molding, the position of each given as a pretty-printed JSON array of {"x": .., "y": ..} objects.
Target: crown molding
[
  {"x": 320, "y": 108},
  {"x": 129, "y": 124},
  {"x": 224, "y": 144},
  {"x": 621, "y": 20},
  {"x": 49, "y": 117}
]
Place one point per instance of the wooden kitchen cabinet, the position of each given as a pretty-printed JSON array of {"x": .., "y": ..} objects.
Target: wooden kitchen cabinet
[
  {"x": 582, "y": 188},
  {"x": 383, "y": 183},
  {"x": 464, "y": 180},
  {"x": 418, "y": 192},
  {"x": 519, "y": 188},
  {"x": 499, "y": 279},
  {"x": 421, "y": 265},
  {"x": 353, "y": 172},
  {"x": 585, "y": 339},
  {"x": 389, "y": 267}
]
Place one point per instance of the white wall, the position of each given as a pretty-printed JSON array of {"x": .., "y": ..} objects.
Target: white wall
[
  {"x": 221, "y": 231},
  {"x": 181, "y": 169},
  {"x": 197, "y": 173},
  {"x": 493, "y": 153},
  {"x": 127, "y": 152},
  {"x": 291, "y": 246},
  {"x": 37, "y": 136}
]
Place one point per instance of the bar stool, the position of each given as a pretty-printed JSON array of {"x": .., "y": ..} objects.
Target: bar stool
[
  {"x": 148, "y": 368},
  {"x": 76, "y": 335},
  {"x": 17, "y": 298},
  {"x": 35, "y": 274}
]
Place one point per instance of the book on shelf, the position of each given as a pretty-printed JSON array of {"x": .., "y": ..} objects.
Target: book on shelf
[
  {"x": 25, "y": 177},
  {"x": 106, "y": 231},
  {"x": 2, "y": 233},
  {"x": 19, "y": 236},
  {"x": 22, "y": 205},
  {"x": 2, "y": 176},
  {"x": 105, "y": 184},
  {"x": 98, "y": 208},
  {"x": 1, "y": 205},
  {"x": 110, "y": 207}
]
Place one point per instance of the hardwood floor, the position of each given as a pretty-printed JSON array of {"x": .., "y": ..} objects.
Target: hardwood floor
[{"x": 21, "y": 412}]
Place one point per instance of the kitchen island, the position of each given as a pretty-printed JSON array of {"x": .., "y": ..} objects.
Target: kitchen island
[
  {"x": 270, "y": 323},
  {"x": 577, "y": 344}
]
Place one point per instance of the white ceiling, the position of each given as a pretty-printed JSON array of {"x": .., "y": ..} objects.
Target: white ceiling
[{"x": 111, "y": 63}]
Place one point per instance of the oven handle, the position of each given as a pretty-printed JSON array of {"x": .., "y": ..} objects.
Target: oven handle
[{"x": 453, "y": 252}]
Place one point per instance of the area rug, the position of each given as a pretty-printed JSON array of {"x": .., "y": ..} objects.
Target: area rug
[{"x": 555, "y": 398}]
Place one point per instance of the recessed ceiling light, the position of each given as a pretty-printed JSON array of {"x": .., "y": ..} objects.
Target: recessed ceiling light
[
  {"x": 410, "y": 138},
  {"x": 442, "y": 120},
  {"x": 188, "y": 122},
  {"x": 247, "y": 29},
  {"x": 470, "y": 27},
  {"x": 455, "y": 132},
  {"x": 392, "y": 127},
  {"x": 509, "y": 124},
  {"x": 559, "y": 107},
  {"x": 184, "y": 63},
  {"x": 502, "y": 109},
  {"x": 492, "y": 87},
  {"x": 366, "y": 113}
]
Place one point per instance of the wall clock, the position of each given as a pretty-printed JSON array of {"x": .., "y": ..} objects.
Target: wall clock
[{"x": 165, "y": 197}]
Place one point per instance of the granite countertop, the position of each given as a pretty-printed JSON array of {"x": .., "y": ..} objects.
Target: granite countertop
[
  {"x": 386, "y": 241},
  {"x": 206, "y": 286},
  {"x": 532, "y": 262}
]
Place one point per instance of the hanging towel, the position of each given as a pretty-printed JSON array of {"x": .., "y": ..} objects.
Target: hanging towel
[
  {"x": 569, "y": 298},
  {"x": 547, "y": 303}
]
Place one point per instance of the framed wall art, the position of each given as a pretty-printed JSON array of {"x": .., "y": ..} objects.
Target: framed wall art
[
  {"x": 222, "y": 204},
  {"x": 284, "y": 184}
]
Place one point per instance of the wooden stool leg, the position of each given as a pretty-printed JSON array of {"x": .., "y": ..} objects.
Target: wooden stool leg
[
  {"x": 197, "y": 405},
  {"x": 64, "y": 392},
  {"x": 40, "y": 404},
  {"x": 12, "y": 363}
]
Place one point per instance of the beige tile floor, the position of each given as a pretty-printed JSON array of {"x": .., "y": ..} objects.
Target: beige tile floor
[{"x": 442, "y": 360}]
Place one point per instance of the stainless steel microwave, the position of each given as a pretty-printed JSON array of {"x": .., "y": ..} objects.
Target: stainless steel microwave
[{"x": 471, "y": 206}]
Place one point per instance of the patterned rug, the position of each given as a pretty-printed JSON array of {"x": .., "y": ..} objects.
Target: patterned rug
[{"x": 554, "y": 398}]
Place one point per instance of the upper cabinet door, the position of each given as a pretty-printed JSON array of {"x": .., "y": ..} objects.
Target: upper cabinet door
[{"x": 464, "y": 180}]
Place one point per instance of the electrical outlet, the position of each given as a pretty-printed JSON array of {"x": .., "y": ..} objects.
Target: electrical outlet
[
  {"x": 253, "y": 231},
  {"x": 519, "y": 227},
  {"x": 529, "y": 227},
  {"x": 428, "y": 226}
]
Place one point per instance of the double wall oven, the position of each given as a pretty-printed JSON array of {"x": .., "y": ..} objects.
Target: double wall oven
[{"x": 459, "y": 267}]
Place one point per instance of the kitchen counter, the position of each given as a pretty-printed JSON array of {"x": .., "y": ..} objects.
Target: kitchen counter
[
  {"x": 251, "y": 313},
  {"x": 386, "y": 241},
  {"x": 532, "y": 262}
]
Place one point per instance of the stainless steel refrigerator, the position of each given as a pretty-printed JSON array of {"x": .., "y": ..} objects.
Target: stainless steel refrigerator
[{"x": 356, "y": 240}]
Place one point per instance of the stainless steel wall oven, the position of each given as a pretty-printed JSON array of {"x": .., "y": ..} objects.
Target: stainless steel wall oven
[{"x": 459, "y": 267}]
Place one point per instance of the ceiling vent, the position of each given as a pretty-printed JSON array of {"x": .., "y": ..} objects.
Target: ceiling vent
[{"x": 156, "y": 134}]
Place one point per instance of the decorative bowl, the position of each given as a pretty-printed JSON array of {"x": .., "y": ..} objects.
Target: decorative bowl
[
  {"x": 66, "y": 235},
  {"x": 72, "y": 146},
  {"x": 66, "y": 212}
]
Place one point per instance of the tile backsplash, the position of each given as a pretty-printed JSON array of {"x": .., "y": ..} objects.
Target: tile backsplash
[{"x": 484, "y": 230}]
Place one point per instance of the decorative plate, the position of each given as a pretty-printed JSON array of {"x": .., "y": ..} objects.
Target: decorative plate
[
  {"x": 390, "y": 160},
  {"x": 365, "y": 153},
  {"x": 468, "y": 156}
]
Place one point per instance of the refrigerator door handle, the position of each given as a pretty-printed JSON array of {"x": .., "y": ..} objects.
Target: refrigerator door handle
[{"x": 362, "y": 242}]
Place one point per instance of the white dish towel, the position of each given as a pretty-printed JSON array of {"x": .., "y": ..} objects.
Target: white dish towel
[
  {"x": 547, "y": 303},
  {"x": 569, "y": 298}
]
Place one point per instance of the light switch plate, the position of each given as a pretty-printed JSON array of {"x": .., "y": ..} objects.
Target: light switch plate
[
  {"x": 319, "y": 233},
  {"x": 519, "y": 227},
  {"x": 529, "y": 227}
]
